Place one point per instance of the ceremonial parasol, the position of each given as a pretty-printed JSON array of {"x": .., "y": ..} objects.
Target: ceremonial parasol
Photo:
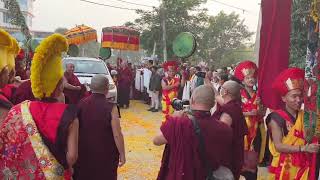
[
  {"x": 105, "y": 53},
  {"x": 81, "y": 34},
  {"x": 184, "y": 45},
  {"x": 121, "y": 38}
]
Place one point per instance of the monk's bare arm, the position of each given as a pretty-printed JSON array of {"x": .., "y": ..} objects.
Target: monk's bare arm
[
  {"x": 226, "y": 118},
  {"x": 159, "y": 140},
  {"x": 71, "y": 87},
  {"x": 117, "y": 135},
  {"x": 73, "y": 137},
  {"x": 165, "y": 86},
  {"x": 277, "y": 136}
]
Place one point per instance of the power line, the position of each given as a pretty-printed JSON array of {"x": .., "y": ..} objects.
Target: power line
[
  {"x": 135, "y": 3},
  {"x": 107, "y": 5},
  {"x": 235, "y": 7}
]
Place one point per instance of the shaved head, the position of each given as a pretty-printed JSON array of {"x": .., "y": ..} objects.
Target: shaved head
[
  {"x": 99, "y": 84},
  {"x": 70, "y": 67},
  {"x": 233, "y": 88},
  {"x": 204, "y": 96}
]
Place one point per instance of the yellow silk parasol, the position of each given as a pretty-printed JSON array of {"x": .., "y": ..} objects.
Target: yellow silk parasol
[{"x": 81, "y": 34}]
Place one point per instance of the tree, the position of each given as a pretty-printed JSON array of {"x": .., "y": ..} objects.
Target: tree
[
  {"x": 237, "y": 55},
  {"x": 90, "y": 49},
  {"x": 225, "y": 34},
  {"x": 216, "y": 35},
  {"x": 61, "y": 30},
  {"x": 299, "y": 32},
  {"x": 181, "y": 15},
  {"x": 17, "y": 17}
]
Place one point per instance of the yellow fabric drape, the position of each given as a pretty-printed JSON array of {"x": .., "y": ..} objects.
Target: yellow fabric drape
[{"x": 287, "y": 170}]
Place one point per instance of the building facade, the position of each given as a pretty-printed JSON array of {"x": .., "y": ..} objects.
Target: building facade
[{"x": 26, "y": 7}]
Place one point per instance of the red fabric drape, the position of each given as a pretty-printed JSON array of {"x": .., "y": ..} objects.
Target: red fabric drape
[{"x": 274, "y": 47}]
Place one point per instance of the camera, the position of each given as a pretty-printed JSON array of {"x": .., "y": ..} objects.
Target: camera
[
  {"x": 178, "y": 104},
  {"x": 201, "y": 74}
]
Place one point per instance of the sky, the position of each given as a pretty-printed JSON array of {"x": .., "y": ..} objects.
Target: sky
[{"x": 51, "y": 14}]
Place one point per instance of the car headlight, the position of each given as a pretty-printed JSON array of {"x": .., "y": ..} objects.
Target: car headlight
[{"x": 112, "y": 86}]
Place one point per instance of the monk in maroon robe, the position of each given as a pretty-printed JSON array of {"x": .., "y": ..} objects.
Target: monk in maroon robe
[
  {"x": 178, "y": 132},
  {"x": 74, "y": 90},
  {"x": 101, "y": 144},
  {"x": 230, "y": 112},
  {"x": 22, "y": 93},
  {"x": 39, "y": 139},
  {"x": 124, "y": 83},
  {"x": 5, "y": 104}
]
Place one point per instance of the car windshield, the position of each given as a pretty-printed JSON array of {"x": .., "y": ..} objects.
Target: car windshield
[{"x": 87, "y": 66}]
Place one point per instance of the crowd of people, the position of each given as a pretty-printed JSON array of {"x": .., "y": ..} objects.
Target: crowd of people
[{"x": 51, "y": 127}]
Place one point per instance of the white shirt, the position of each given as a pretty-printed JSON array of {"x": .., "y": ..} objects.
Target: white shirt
[{"x": 146, "y": 77}]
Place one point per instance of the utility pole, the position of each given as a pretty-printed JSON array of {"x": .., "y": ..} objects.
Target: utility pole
[{"x": 164, "y": 35}]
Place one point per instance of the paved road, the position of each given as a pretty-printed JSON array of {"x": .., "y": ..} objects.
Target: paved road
[{"x": 143, "y": 158}]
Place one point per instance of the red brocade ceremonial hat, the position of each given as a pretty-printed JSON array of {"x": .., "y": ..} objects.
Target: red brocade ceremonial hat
[
  {"x": 170, "y": 64},
  {"x": 288, "y": 80},
  {"x": 245, "y": 68}
]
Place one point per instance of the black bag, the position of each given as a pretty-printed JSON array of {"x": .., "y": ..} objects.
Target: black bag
[{"x": 222, "y": 171}]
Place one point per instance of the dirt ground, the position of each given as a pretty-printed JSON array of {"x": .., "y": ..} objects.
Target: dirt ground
[{"x": 143, "y": 158}]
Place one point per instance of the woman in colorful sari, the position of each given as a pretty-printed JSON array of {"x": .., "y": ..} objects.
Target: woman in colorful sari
[
  {"x": 39, "y": 139},
  {"x": 292, "y": 156},
  {"x": 255, "y": 141}
]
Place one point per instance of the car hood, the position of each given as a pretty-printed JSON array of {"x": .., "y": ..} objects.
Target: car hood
[{"x": 85, "y": 78}]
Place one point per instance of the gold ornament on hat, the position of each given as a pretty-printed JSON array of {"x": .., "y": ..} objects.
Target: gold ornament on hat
[
  {"x": 247, "y": 72},
  {"x": 294, "y": 84}
]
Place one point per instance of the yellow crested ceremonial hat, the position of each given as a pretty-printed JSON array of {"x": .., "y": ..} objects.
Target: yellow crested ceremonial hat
[
  {"x": 46, "y": 67},
  {"x": 12, "y": 54},
  {"x": 5, "y": 44}
]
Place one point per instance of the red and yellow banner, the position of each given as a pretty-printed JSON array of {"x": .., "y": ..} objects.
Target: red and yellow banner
[{"x": 119, "y": 37}]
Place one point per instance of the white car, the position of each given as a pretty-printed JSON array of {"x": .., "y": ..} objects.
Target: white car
[{"x": 85, "y": 68}]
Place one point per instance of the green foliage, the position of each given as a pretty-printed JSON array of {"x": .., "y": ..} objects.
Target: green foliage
[
  {"x": 90, "y": 49},
  {"x": 225, "y": 35},
  {"x": 237, "y": 55},
  {"x": 17, "y": 17},
  {"x": 217, "y": 36},
  {"x": 299, "y": 32}
]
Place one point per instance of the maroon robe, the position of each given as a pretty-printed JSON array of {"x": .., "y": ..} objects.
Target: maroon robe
[
  {"x": 21, "y": 73},
  {"x": 22, "y": 93},
  {"x": 5, "y": 103},
  {"x": 233, "y": 109},
  {"x": 184, "y": 159},
  {"x": 9, "y": 90},
  {"x": 124, "y": 84},
  {"x": 73, "y": 96},
  {"x": 98, "y": 153}
]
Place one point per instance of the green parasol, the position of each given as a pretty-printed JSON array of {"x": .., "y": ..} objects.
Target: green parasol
[
  {"x": 105, "y": 53},
  {"x": 184, "y": 45}
]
